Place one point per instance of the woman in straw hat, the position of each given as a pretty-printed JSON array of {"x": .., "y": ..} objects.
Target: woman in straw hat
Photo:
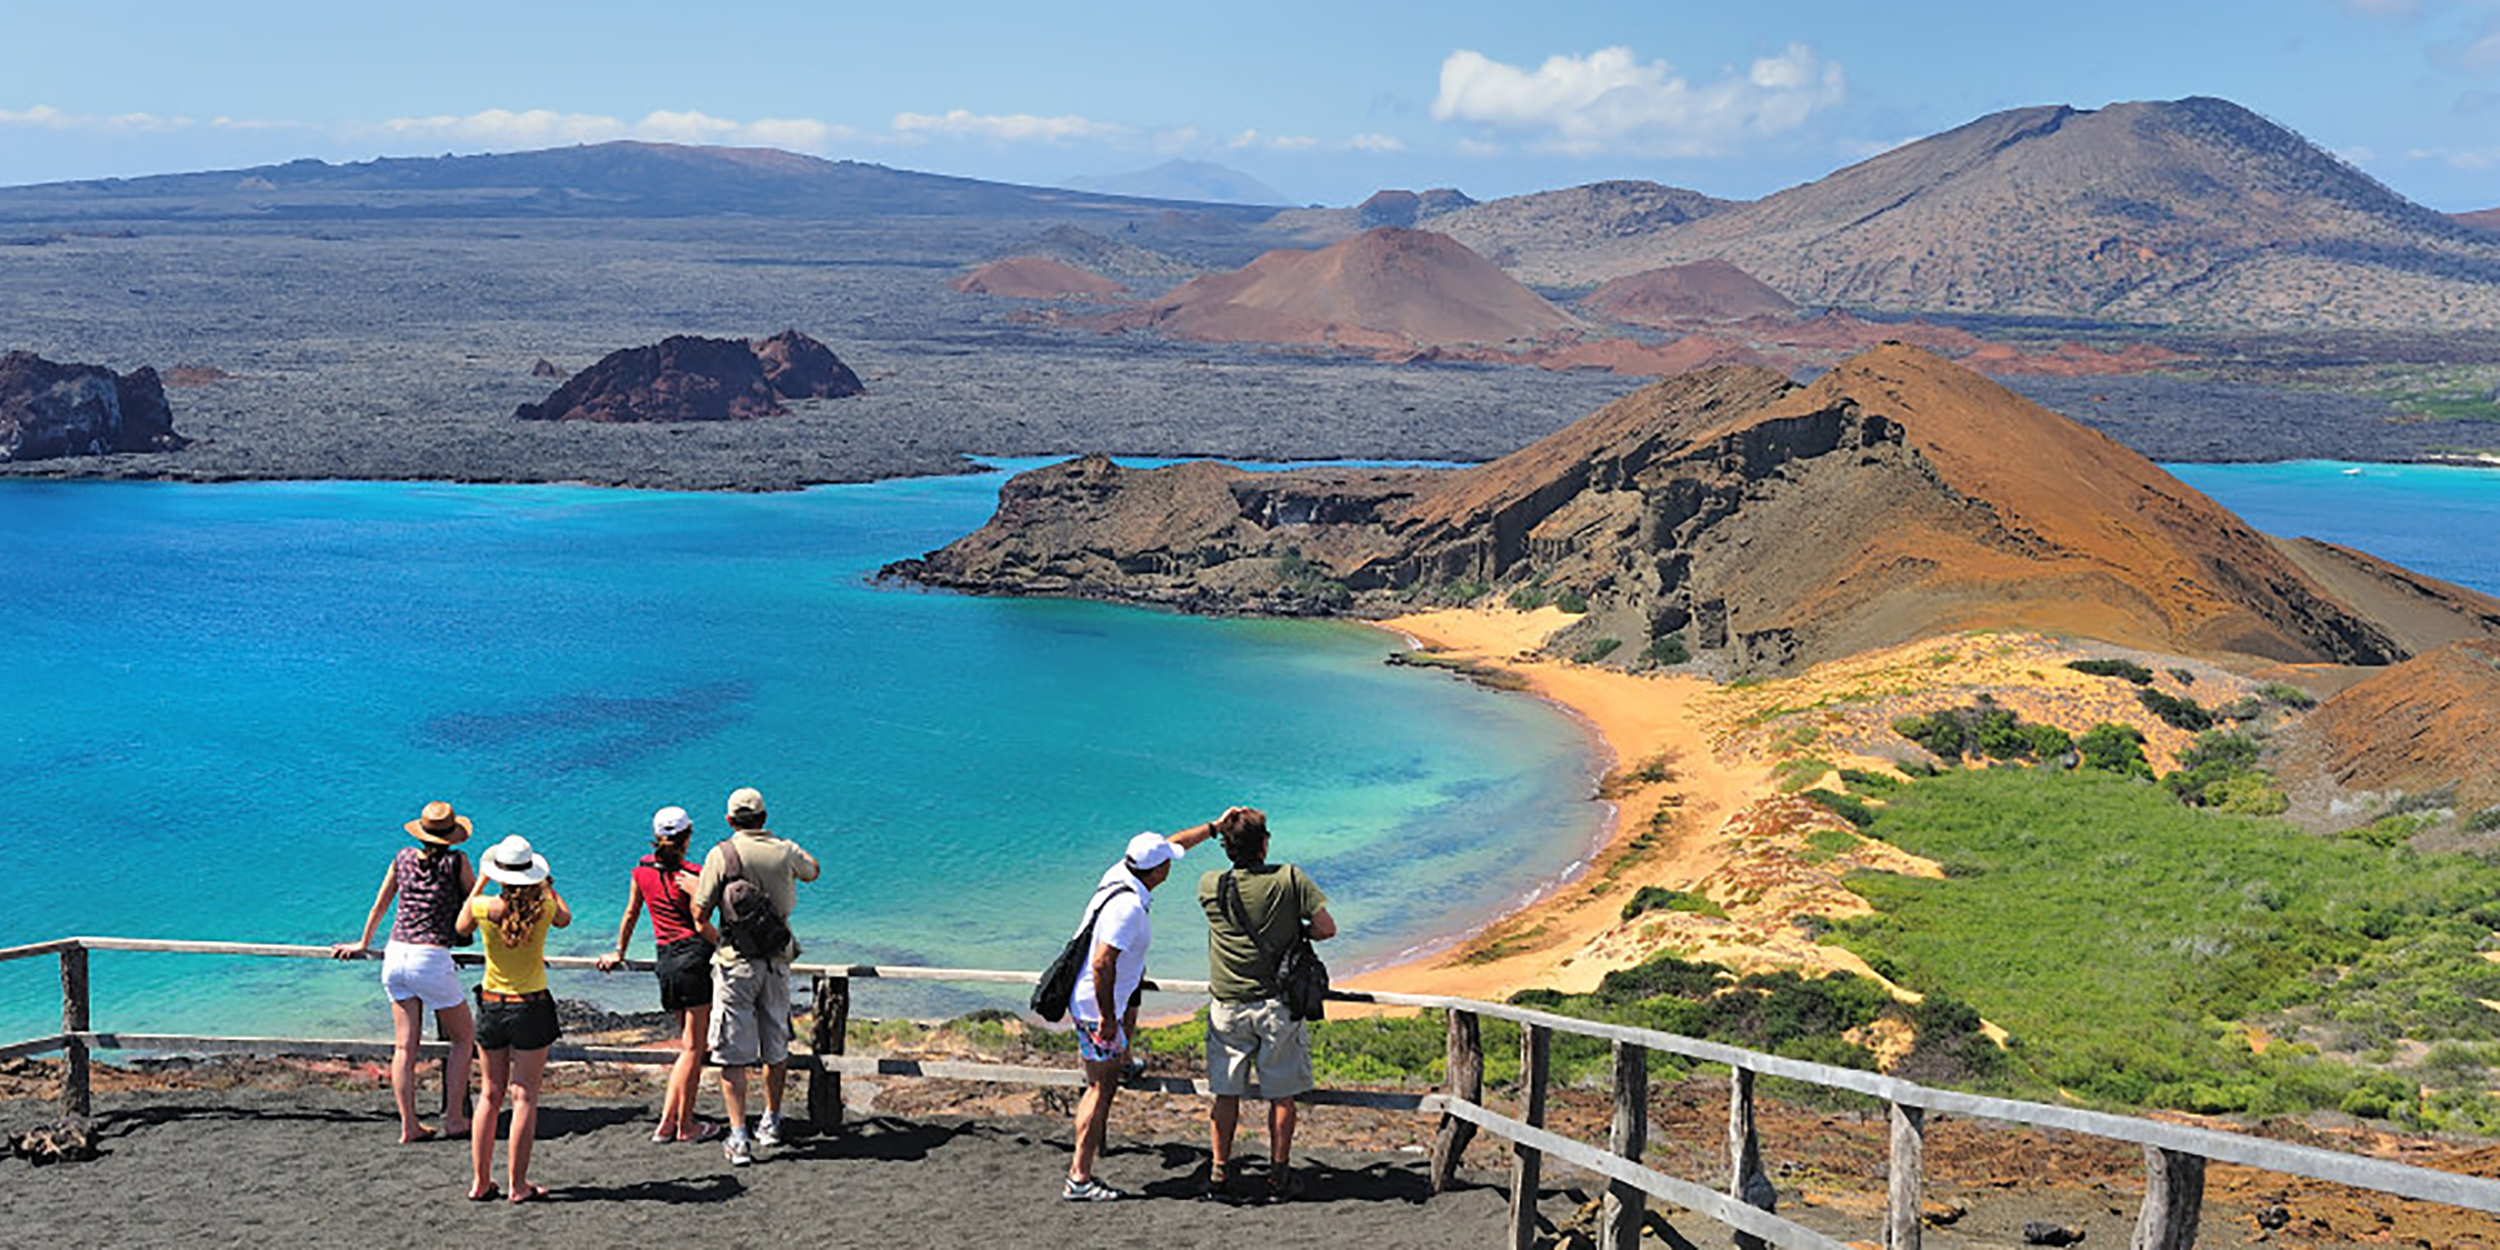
[
  {"x": 664, "y": 883},
  {"x": 430, "y": 880},
  {"x": 516, "y": 1019}
]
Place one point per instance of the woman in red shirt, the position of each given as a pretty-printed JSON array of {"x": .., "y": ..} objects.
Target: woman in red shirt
[{"x": 663, "y": 882}]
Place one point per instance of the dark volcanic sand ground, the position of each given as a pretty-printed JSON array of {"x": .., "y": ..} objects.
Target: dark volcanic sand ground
[{"x": 302, "y": 1154}]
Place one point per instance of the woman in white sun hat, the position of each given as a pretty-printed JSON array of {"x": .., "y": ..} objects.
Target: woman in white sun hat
[
  {"x": 430, "y": 881},
  {"x": 516, "y": 1017}
]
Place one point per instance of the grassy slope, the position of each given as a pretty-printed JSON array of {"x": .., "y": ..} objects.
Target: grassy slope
[{"x": 2123, "y": 938}]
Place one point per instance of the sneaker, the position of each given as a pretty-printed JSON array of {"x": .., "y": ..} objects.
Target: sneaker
[
  {"x": 1089, "y": 1190},
  {"x": 768, "y": 1131},
  {"x": 737, "y": 1151}
]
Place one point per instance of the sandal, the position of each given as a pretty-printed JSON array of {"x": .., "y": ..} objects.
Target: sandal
[
  {"x": 529, "y": 1193},
  {"x": 488, "y": 1194},
  {"x": 661, "y": 1136},
  {"x": 705, "y": 1130}
]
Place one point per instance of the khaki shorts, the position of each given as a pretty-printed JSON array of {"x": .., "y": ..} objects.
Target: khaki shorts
[
  {"x": 1264, "y": 1035},
  {"x": 750, "y": 1013}
]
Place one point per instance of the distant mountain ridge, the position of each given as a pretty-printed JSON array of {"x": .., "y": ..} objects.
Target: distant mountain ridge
[
  {"x": 1196, "y": 181},
  {"x": 2193, "y": 211},
  {"x": 619, "y": 179}
]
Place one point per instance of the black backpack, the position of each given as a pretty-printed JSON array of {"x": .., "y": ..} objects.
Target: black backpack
[
  {"x": 1058, "y": 981},
  {"x": 1295, "y": 973},
  {"x": 748, "y": 920}
]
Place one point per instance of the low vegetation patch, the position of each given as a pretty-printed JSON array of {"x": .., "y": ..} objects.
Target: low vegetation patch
[
  {"x": 1985, "y": 731},
  {"x": 1658, "y": 898},
  {"x": 2127, "y": 669},
  {"x": 1668, "y": 650},
  {"x": 2175, "y": 711},
  {"x": 2128, "y": 942}
]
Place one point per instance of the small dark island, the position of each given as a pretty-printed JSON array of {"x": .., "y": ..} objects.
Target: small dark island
[{"x": 50, "y": 410}]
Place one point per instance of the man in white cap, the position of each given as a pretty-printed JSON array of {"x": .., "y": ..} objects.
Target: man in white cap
[
  {"x": 751, "y": 989},
  {"x": 1104, "y": 1003}
]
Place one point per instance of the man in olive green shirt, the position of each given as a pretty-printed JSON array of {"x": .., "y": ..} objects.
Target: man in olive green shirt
[{"x": 1247, "y": 1024}]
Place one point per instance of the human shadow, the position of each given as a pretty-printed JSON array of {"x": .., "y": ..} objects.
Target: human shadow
[
  {"x": 1185, "y": 1171},
  {"x": 121, "y": 1122},
  {"x": 878, "y": 1137},
  {"x": 558, "y": 1122},
  {"x": 671, "y": 1191}
]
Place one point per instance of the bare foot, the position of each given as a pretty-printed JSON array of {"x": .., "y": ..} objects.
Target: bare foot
[
  {"x": 422, "y": 1133},
  {"x": 528, "y": 1193},
  {"x": 484, "y": 1193}
]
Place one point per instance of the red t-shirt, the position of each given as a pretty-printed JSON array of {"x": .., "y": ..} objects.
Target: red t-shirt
[{"x": 672, "y": 912}]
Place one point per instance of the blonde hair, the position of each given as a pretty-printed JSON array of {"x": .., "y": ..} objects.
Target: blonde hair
[{"x": 521, "y": 905}]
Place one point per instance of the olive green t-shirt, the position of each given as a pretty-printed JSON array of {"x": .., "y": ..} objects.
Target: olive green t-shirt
[{"x": 1277, "y": 898}]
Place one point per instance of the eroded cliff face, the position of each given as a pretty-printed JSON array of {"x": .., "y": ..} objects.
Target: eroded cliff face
[
  {"x": 1761, "y": 524},
  {"x": 49, "y": 410}
]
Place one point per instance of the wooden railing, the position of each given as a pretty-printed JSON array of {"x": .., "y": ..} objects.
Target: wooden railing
[{"x": 2175, "y": 1154}]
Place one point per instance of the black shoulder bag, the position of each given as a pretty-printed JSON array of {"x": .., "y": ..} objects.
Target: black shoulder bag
[
  {"x": 1051, "y": 993},
  {"x": 1299, "y": 978}
]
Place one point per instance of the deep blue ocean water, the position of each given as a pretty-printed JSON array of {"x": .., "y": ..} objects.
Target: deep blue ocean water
[{"x": 222, "y": 700}]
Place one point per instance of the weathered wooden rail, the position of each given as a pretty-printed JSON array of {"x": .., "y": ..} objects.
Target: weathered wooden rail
[{"x": 2175, "y": 1154}]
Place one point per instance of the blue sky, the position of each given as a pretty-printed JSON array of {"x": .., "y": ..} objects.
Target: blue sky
[{"x": 1324, "y": 102}]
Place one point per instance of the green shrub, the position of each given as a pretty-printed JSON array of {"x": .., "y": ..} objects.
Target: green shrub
[
  {"x": 1668, "y": 650},
  {"x": 1661, "y": 975},
  {"x": 2047, "y": 743},
  {"x": 2128, "y": 669},
  {"x": 1598, "y": 649},
  {"x": 1655, "y": 898},
  {"x": 1942, "y": 733},
  {"x": 1459, "y": 594},
  {"x": 2292, "y": 697},
  {"x": 2114, "y": 749},
  {"x": 1572, "y": 601},
  {"x": 2484, "y": 821},
  {"x": 1846, "y": 806},
  {"x": 2182, "y": 676},
  {"x": 2177, "y": 712},
  {"x": 1529, "y": 598},
  {"x": 1871, "y": 782}
]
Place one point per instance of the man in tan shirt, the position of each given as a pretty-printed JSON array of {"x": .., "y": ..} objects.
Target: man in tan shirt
[{"x": 751, "y": 994}]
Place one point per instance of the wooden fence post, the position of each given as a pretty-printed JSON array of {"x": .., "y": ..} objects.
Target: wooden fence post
[
  {"x": 1526, "y": 1162},
  {"x": 1746, "y": 1181},
  {"x": 74, "y": 1019},
  {"x": 2174, "y": 1199},
  {"x": 1909, "y": 1177},
  {"x": 1463, "y": 1079},
  {"x": 1619, "y": 1219},
  {"x": 829, "y": 1035}
]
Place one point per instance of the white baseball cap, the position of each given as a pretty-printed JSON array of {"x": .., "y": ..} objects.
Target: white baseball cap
[
  {"x": 670, "y": 822},
  {"x": 1148, "y": 851}
]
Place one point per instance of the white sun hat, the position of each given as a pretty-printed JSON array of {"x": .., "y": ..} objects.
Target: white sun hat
[{"x": 512, "y": 862}]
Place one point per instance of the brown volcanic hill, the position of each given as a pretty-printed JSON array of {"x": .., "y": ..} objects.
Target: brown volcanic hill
[
  {"x": 1770, "y": 525},
  {"x": 1705, "y": 290},
  {"x": 2427, "y": 724},
  {"x": 2485, "y": 219},
  {"x": 687, "y": 378},
  {"x": 1543, "y": 237},
  {"x": 1385, "y": 288},
  {"x": 1036, "y": 277},
  {"x": 2191, "y": 210}
]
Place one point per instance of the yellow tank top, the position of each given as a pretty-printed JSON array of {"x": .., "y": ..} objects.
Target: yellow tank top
[{"x": 517, "y": 969}]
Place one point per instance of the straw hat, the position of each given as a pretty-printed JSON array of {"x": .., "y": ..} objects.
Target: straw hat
[
  {"x": 439, "y": 825},
  {"x": 512, "y": 862}
]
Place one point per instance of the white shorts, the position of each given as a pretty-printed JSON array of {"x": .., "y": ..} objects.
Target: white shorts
[{"x": 424, "y": 973}]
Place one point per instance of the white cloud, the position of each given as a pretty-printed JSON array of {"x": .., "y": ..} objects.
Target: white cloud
[
  {"x": 1005, "y": 128},
  {"x": 1271, "y": 143},
  {"x": 46, "y": 117},
  {"x": 2471, "y": 160},
  {"x": 1607, "y": 101},
  {"x": 506, "y": 129},
  {"x": 1374, "y": 143}
]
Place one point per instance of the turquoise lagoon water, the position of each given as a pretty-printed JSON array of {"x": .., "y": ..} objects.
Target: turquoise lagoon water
[{"x": 222, "y": 700}]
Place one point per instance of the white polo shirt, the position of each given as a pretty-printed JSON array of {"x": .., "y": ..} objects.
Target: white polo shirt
[{"x": 1122, "y": 925}]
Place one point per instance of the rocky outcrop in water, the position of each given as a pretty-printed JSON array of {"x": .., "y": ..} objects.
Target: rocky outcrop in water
[
  {"x": 1763, "y": 524},
  {"x": 49, "y": 410},
  {"x": 687, "y": 378}
]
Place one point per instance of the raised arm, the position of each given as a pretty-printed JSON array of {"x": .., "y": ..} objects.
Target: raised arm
[
  {"x": 625, "y": 927},
  {"x": 1196, "y": 834},
  {"x": 1323, "y": 926},
  {"x": 558, "y": 914},
  {"x": 803, "y": 866},
  {"x": 373, "y": 918},
  {"x": 465, "y": 923}
]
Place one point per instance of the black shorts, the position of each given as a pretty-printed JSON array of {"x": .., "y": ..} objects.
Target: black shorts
[
  {"x": 526, "y": 1025},
  {"x": 686, "y": 974}
]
